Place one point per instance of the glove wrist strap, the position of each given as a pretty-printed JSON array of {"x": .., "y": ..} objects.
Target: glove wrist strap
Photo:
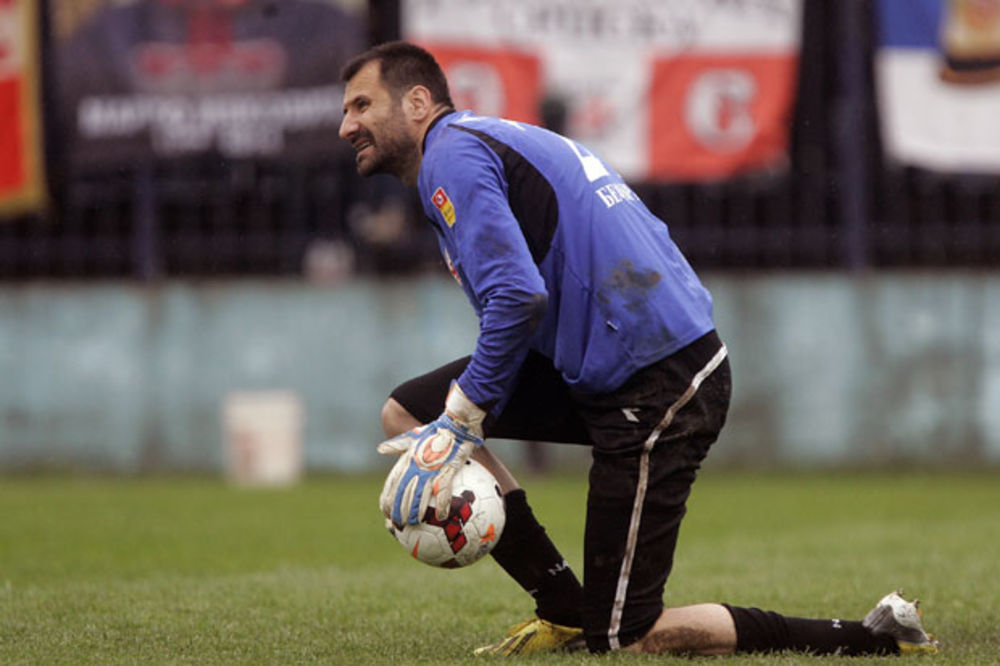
[{"x": 463, "y": 411}]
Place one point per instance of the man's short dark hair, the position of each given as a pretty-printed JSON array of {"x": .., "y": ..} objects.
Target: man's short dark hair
[{"x": 403, "y": 65}]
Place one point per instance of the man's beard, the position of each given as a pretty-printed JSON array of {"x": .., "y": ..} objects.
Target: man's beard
[{"x": 392, "y": 154}]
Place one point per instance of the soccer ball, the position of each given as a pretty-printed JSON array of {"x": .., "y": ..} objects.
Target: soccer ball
[{"x": 471, "y": 529}]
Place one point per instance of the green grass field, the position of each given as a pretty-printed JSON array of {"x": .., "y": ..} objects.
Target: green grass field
[{"x": 190, "y": 570}]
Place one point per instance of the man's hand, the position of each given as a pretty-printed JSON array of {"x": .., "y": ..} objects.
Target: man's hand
[{"x": 429, "y": 458}]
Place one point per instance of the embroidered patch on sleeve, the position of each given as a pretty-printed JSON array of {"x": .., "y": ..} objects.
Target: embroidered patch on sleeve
[{"x": 443, "y": 204}]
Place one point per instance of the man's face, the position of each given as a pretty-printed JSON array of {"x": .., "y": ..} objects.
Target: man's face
[{"x": 376, "y": 126}]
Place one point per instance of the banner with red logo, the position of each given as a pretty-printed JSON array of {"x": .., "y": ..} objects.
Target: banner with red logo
[
  {"x": 21, "y": 187},
  {"x": 141, "y": 79},
  {"x": 671, "y": 90},
  {"x": 480, "y": 79}
]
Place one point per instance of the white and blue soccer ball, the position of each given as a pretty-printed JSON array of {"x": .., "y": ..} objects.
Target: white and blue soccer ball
[{"x": 471, "y": 529}]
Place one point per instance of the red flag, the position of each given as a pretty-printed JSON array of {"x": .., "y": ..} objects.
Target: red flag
[
  {"x": 712, "y": 116},
  {"x": 492, "y": 82}
]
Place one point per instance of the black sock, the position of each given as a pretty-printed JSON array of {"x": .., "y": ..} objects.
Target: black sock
[
  {"x": 528, "y": 555},
  {"x": 766, "y": 631}
]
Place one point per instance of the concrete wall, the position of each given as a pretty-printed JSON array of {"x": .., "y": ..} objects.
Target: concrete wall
[{"x": 828, "y": 369}]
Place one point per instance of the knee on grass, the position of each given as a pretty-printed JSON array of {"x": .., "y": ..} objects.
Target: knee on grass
[{"x": 703, "y": 629}]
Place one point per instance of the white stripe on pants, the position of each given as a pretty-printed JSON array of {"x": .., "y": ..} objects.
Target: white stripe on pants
[{"x": 640, "y": 495}]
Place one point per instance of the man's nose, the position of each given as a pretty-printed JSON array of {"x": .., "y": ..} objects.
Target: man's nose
[{"x": 348, "y": 126}]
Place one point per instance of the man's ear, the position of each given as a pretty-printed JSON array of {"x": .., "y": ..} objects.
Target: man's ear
[{"x": 417, "y": 104}]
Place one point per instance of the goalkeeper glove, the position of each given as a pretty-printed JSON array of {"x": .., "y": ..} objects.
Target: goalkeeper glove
[{"x": 430, "y": 456}]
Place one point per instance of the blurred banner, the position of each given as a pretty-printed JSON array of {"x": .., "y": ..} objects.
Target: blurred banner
[
  {"x": 938, "y": 83},
  {"x": 671, "y": 90},
  {"x": 21, "y": 186},
  {"x": 141, "y": 79}
]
